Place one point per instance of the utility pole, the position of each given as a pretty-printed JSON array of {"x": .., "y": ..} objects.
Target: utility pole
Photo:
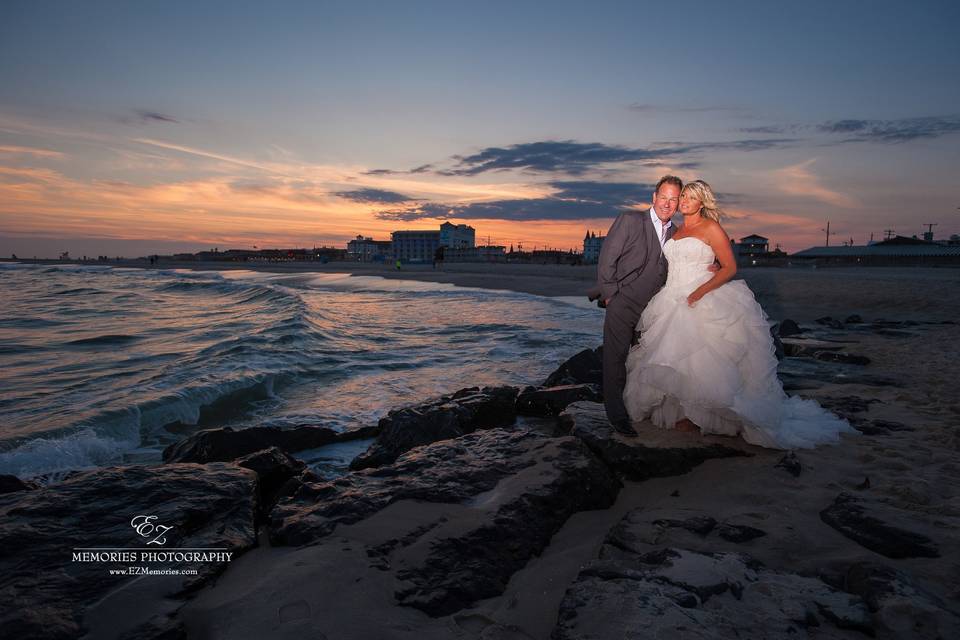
[
  {"x": 928, "y": 236},
  {"x": 827, "y": 231},
  {"x": 887, "y": 234}
]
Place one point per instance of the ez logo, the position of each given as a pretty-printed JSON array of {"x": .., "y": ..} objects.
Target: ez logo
[{"x": 144, "y": 526}]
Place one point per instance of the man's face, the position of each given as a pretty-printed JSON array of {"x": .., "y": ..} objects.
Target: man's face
[{"x": 665, "y": 201}]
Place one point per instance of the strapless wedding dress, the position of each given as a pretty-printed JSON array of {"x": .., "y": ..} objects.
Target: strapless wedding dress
[{"x": 714, "y": 363}]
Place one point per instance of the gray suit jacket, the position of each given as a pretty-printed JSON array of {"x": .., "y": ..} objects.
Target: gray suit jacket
[{"x": 631, "y": 261}]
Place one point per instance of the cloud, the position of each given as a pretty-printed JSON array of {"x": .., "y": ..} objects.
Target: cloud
[
  {"x": 154, "y": 116},
  {"x": 33, "y": 151},
  {"x": 664, "y": 108},
  {"x": 799, "y": 180},
  {"x": 571, "y": 200},
  {"x": 902, "y": 130},
  {"x": 374, "y": 195},
  {"x": 390, "y": 172},
  {"x": 576, "y": 158},
  {"x": 771, "y": 129}
]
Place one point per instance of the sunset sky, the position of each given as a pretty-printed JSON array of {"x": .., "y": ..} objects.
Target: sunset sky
[{"x": 136, "y": 127}]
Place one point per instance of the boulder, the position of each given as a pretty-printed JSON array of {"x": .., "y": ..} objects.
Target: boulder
[
  {"x": 552, "y": 401},
  {"x": 513, "y": 491},
  {"x": 788, "y": 328},
  {"x": 449, "y": 416},
  {"x": 10, "y": 484},
  {"x": 864, "y": 523},
  {"x": 225, "y": 444},
  {"x": 585, "y": 367},
  {"x": 273, "y": 468},
  {"x": 655, "y": 453},
  {"x": 45, "y": 586}
]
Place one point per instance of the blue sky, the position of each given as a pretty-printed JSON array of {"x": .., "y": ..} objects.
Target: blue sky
[{"x": 188, "y": 125}]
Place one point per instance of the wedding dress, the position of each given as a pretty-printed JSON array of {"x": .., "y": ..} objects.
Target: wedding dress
[{"x": 714, "y": 363}]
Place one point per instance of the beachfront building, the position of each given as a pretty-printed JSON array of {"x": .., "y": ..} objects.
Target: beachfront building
[
  {"x": 415, "y": 246},
  {"x": 454, "y": 236},
  {"x": 362, "y": 249},
  {"x": 896, "y": 251},
  {"x": 752, "y": 245},
  {"x": 592, "y": 243},
  {"x": 483, "y": 253}
]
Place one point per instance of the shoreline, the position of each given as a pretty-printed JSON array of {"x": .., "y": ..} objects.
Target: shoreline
[{"x": 798, "y": 293}]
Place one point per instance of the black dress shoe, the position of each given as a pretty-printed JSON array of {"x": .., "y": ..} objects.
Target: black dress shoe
[{"x": 623, "y": 426}]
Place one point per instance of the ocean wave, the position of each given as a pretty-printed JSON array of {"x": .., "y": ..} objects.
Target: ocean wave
[
  {"x": 104, "y": 340},
  {"x": 103, "y": 439}
]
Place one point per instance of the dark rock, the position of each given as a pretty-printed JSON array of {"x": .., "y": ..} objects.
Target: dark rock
[
  {"x": 789, "y": 328},
  {"x": 10, "y": 484},
  {"x": 700, "y": 525},
  {"x": 639, "y": 458},
  {"x": 584, "y": 368},
  {"x": 449, "y": 416},
  {"x": 672, "y": 592},
  {"x": 843, "y": 358},
  {"x": 225, "y": 444},
  {"x": 461, "y": 562},
  {"x": 863, "y": 486},
  {"x": 901, "y": 609},
  {"x": 829, "y": 322},
  {"x": 853, "y": 319},
  {"x": 777, "y": 344},
  {"x": 860, "y": 522},
  {"x": 845, "y": 406},
  {"x": 739, "y": 533},
  {"x": 553, "y": 400},
  {"x": 791, "y": 463},
  {"x": 45, "y": 590},
  {"x": 273, "y": 468}
]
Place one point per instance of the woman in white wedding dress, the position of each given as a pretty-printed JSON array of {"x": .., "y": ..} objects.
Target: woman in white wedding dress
[{"x": 705, "y": 358}]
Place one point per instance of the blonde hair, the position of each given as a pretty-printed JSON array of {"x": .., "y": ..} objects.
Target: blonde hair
[{"x": 702, "y": 192}]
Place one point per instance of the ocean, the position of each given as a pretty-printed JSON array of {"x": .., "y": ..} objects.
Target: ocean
[{"x": 102, "y": 366}]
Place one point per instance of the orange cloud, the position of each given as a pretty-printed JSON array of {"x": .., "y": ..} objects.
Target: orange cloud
[{"x": 798, "y": 180}]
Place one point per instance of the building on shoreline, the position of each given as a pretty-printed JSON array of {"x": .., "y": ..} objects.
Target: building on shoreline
[
  {"x": 592, "y": 243},
  {"x": 362, "y": 249},
  {"x": 422, "y": 245},
  {"x": 896, "y": 251}
]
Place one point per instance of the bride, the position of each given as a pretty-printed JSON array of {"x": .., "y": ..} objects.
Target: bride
[{"x": 705, "y": 358}]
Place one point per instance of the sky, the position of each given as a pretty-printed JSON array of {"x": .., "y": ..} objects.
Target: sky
[{"x": 136, "y": 127}]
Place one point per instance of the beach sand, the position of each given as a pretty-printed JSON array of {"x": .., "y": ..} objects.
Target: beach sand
[{"x": 327, "y": 590}]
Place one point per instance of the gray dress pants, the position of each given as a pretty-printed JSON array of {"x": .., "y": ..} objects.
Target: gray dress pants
[{"x": 619, "y": 328}]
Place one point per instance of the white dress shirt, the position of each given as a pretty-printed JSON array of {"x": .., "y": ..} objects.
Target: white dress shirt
[{"x": 660, "y": 227}]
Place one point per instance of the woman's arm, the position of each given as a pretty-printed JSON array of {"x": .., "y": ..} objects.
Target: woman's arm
[{"x": 720, "y": 243}]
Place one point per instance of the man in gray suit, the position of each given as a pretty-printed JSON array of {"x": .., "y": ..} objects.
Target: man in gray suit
[{"x": 631, "y": 269}]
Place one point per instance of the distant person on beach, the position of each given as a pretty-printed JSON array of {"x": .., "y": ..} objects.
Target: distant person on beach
[
  {"x": 398, "y": 264},
  {"x": 630, "y": 270},
  {"x": 705, "y": 358}
]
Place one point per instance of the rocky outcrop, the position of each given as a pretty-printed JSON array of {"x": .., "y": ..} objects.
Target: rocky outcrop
[
  {"x": 44, "y": 585},
  {"x": 655, "y": 453},
  {"x": 518, "y": 488},
  {"x": 449, "y": 416},
  {"x": 674, "y": 593},
  {"x": 585, "y": 367},
  {"x": 864, "y": 523},
  {"x": 273, "y": 468},
  {"x": 225, "y": 444},
  {"x": 551, "y": 401}
]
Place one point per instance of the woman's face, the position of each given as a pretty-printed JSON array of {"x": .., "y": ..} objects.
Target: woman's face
[{"x": 689, "y": 204}]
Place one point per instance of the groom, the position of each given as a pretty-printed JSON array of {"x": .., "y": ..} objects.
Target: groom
[{"x": 631, "y": 269}]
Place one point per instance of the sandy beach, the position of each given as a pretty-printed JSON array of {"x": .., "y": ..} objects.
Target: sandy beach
[{"x": 348, "y": 583}]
